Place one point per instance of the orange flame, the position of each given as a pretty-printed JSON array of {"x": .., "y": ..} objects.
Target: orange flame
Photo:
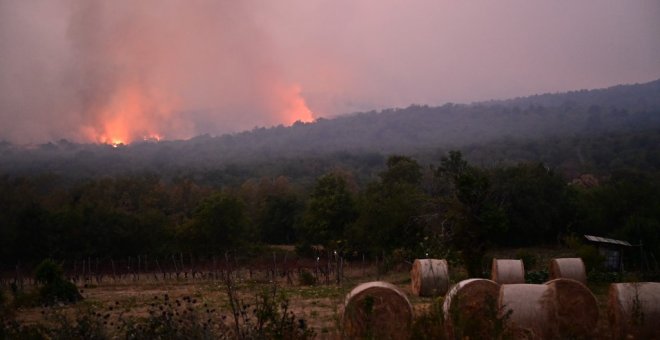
[
  {"x": 131, "y": 115},
  {"x": 295, "y": 108},
  {"x": 134, "y": 114}
]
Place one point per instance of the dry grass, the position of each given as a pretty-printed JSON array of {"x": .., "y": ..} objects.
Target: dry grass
[{"x": 318, "y": 304}]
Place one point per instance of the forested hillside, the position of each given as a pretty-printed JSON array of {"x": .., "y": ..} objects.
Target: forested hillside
[
  {"x": 577, "y": 131},
  {"x": 530, "y": 171}
]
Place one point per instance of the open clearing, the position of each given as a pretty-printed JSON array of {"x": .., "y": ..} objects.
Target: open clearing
[{"x": 319, "y": 305}]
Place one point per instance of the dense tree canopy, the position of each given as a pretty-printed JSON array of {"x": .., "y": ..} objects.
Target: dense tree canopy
[{"x": 402, "y": 208}]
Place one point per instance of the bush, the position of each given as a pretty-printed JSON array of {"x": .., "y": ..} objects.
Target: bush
[
  {"x": 87, "y": 324},
  {"x": 59, "y": 291},
  {"x": 604, "y": 277},
  {"x": 48, "y": 272},
  {"x": 430, "y": 324},
  {"x": 178, "y": 319},
  {"x": 306, "y": 278},
  {"x": 536, "y": 276},
  {"x": 491, "y": 322},
  {"x": 305, "y": 250},
  {"x": 55, "y": 288},
  {"x": 593, "y": 260},
  {"x": 268, "y": 318},
  {"x": 529, "y": 259}
]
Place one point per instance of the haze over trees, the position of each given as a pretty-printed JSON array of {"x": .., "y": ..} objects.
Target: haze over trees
[
  {"x": 414, "y": 181},
  {"x": 574, "y": 131}
]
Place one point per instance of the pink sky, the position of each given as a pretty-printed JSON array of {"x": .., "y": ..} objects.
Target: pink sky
[{"x": 102, "y": 70}]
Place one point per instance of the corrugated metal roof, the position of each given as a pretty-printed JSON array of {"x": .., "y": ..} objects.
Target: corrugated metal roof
[{"x": 607, "y": 240}]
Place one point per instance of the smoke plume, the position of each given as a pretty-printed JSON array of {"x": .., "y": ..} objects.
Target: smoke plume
[{"x": 123, "y": 70}]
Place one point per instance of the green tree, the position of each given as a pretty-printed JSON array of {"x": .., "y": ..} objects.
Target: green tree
[
  {"x": 473, "y": 211},
  {"x": 391, "y": 209},
  {"x": 331, "y": 209},
  {"x": 279, "y": 218},
  {"x": 537, "y": 203},
  {"x": 219, "y": 223}
]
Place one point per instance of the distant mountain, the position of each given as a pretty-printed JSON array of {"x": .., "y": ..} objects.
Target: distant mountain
[{"x": 362, "y": 137}]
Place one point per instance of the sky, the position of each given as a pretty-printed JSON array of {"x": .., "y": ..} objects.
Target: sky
[{"x": 121, "y": 71}]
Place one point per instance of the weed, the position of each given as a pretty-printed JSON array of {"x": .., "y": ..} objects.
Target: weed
[
  {"x": 489, "y": 322},
  {"x": 536, "y": 276},
  {"x": 430, "y": 324},
  {"x": 268, "y": 317}
]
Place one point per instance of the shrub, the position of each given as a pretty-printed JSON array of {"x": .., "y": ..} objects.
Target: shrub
[
  {"x": 528, "y": 258},
  {"x": 55, "y": 288},
  {"x": 306, "y": 278},
  {"x": 430, "y": 323},
  {"x": 178, "y": 319},
  {"x": 305, "y": 250},
  {"x": 491, "y": 322},
  {"x": 87, "y": 324},
  {"x": 593, "y": 260},
  {"x": 48, "y": 272},
  {"x": 536, "y": 276}
]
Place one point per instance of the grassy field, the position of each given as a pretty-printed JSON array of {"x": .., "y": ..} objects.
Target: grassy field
[{"x": 318, "y": 304}]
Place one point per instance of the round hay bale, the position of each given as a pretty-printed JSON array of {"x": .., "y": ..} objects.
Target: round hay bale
[
  {"x": 377, "y": 310},
  {"x": 464, "y": 310},
  {"x": 568, "y": 268},
  {"x": 577, "y": 308},
  {"x": 529, "y": 310},
  {"x": 634, "y": 309},
  {"x": 508, "y": 271},
  {"x": 429, "y": 277}
]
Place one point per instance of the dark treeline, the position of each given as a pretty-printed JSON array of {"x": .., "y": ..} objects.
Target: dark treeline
[{"x": 407, "y": 208}]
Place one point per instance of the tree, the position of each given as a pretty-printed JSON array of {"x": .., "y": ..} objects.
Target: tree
[
  {"x": 278, "y": 218},
  {"x": 472, "y": 211},
  {"x": 331, "y": 209},
  {"x": 537, "y": 202},
  {"x": 219, "y": 223},
  {"x": 391, "y": 209}
]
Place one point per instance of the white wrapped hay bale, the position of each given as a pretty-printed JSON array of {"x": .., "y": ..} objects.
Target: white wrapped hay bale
[
  {"x": 568, "y": 268},
  {"x": 465, "y": 307},
  {"x": 634, "y": 310},
  {"x": 429, "y": 277},
  {"x": 561, "y": 308},
  {"x": 377, "y": 310},
  {"x": 531, "y": 309},
  {"x": 508, "y": 271}
]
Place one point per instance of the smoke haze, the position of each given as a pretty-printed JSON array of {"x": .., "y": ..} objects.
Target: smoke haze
[{"x": 120, "y": 71}]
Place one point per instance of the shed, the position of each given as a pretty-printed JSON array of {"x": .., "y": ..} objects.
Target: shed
[{"x": 611, "y": 249}]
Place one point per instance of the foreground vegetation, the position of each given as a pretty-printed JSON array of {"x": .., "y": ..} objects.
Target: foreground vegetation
[{"x": 237, "y": 306}]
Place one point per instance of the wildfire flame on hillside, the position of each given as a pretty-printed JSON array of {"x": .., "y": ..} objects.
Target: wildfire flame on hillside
[
  {"x": 134, "y": 114},
  {"x": 295, "y": 108}
]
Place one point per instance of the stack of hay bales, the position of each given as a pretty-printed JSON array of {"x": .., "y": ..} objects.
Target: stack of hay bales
[
  {"x": 465, "y": 308},
  {"x": 377, "y": 310},
  {"x": 634, "y": 310},
  {"x": 429, "y": 277},
  {"x": 568, "y": 268},
  {"x": 508, "y": 271},
  {"x": 559, "y": 308}
]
